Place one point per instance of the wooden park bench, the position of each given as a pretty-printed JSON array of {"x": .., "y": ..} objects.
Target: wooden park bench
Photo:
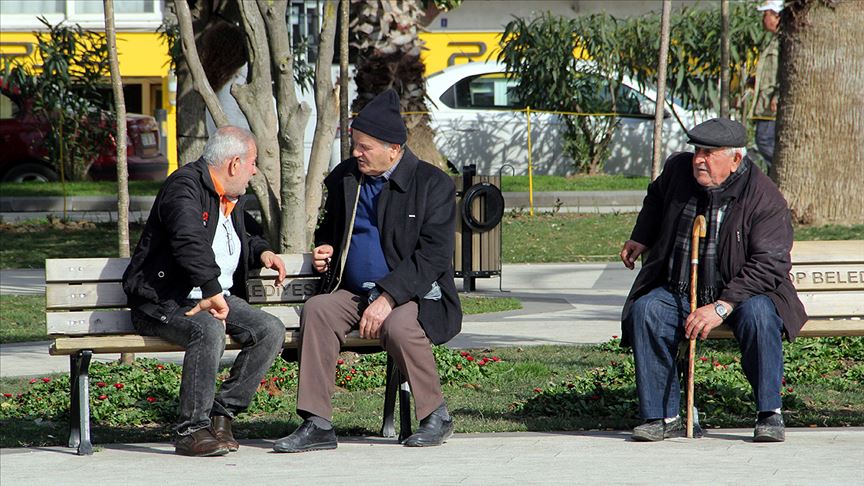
[
  {"x": 829, "y": 278},
  {"x": 87, "y": 315}
]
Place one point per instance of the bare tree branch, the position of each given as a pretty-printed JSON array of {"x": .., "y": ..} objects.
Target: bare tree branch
[{"x": 190, "y": 52}]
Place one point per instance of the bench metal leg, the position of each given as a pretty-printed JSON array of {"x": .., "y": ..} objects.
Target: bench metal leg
[
  {"x": 79, "y": 413},
  {"x": 388, "y": 428},
  {"x": 395, "y": 381}
]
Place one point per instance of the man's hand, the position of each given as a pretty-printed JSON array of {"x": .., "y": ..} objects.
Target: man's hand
[
  {"x": 375, "y": 315},
  {"x": 631, "y": 252},
  {"x": 272, "y": 260},
  {"x": 702, "y": 321},
  {"x": 321, "y": 258},
  {"x": 216, "y": 305}
]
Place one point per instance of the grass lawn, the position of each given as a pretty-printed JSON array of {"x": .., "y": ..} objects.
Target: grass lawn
[
  {"x": 89, "y": 188},
  {"x": 545, "y": 183},
  {"x": 535, "y": 388},
  {"x": 560, "y": 237}
]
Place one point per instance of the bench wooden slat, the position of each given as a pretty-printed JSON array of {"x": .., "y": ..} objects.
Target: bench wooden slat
[
  {"x": 838, "y": 276},
  {"x": 110, "y": 294},
  {"x": 849, "y": 251},
  {"x": 833, "y": 304},
  {"x": 85, "y": 269},
  {"x": 813, "y": 328},
  {"x": 134, "y": 343},
  {"x": 118, "y": 321},
  {"x": 111, "y": 269}
]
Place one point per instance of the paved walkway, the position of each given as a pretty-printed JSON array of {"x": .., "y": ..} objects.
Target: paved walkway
[{"x": 809, "y": 456}]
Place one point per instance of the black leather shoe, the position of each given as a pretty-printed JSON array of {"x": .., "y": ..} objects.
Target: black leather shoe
[
  {"x": 770, "y": 429},
  {"x": 307, "y": 437},
  {"x": 433, "y": 431},
  {"x": 201, "y": 443},
  {"x": 221, "y": 426}
]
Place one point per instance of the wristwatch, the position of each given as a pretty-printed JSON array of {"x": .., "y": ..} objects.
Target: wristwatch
[{"x": 721, "y": 311}]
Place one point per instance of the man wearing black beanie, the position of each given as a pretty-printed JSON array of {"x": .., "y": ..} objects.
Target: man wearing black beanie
[{"x": 387, "y": 238}]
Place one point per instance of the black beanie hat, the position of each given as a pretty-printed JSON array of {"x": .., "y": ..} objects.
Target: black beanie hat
[{"x": 380, "y": 118}]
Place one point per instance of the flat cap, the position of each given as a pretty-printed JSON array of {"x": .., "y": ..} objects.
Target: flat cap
[{"x": 718, "y": 132}]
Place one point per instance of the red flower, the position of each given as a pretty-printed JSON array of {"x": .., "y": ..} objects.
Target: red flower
[
  {"x": 481, "y": 363},
  {"x": 101, "y": 384},
  {"x": 34, "y": 380},
  {"x": 46, "y": 379},
  {"x": 463, "y": 353},
  {"x": 496, "y": 359},
  {"x": 783, "y": 380},
  {"x": 614, "y": 337},
  {"x": 103, "y": 397},
  {"x": 340, "y": 361},
  {"x": 160, "y": 367},
  {"x": 790, "y": 389},
  {"x": 284, "y": 369},
  {"x": 470, "y": 358},
  {"x": 118, "y": 385},
  {"x": 538, "y": 390},
  {"x": 353, "y": 371},
  {"x": 348, "y": 377},
  {"x": 703, "y": 359},
  {"x": 274, "y": 379},
  {"x": 151, "y": 399},
  {"x": 264, "y": 381},
  {"x": 7, "y": 395}
]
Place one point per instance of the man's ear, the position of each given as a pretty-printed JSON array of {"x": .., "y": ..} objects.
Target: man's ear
[{"x": 233, "y": 165}]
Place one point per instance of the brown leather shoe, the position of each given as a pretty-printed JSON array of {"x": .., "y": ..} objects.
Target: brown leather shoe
[
  {"x": 201, "y": 443},
  {"x": 222, "y": 430}
]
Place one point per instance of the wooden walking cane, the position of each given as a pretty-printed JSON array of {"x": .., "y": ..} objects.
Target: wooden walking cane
[{"x": 698, "y": 231}]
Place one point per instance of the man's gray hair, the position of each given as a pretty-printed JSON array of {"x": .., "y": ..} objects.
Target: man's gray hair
[
  {"x": 737, "y": 150},
  {"x": 228, "y": 142}
]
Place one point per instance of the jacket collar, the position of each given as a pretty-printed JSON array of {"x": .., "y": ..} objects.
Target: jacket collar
[{"x": 404, "y": 171}]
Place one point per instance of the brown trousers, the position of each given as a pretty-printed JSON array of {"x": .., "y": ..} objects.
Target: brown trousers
[{"x": 325, "y": 321}]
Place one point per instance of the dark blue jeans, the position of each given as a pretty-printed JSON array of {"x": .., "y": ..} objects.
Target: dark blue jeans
[
  {"x": 203, "y": 338},
  {"x": 657, "y": 320},
  {"x": 765, "y": 139}
]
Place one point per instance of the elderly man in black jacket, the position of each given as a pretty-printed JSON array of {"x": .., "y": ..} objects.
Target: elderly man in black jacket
[
  {"x": 387, "y": 240},
  {"x": 186, "y": 284},
  {"x": 743, "y": 276}
]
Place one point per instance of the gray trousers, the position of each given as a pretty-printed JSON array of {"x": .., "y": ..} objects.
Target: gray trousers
[
  {"x": 325, "y": 321},
  {"x": 203, "y": 338}
]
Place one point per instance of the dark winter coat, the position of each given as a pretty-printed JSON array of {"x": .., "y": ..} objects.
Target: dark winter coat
[
  {"x": 753, "y": 247},
  {"x": 175, "y": 253},
  {"x": 416, "y": 220}
]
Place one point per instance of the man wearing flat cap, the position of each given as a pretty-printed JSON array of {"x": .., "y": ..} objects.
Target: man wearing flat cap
[
  {"x": 388, "y": 233},
  {"x": 743, "y": 276}
]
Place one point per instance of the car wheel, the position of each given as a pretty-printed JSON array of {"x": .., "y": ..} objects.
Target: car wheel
[{"x": 30, "y": 172}]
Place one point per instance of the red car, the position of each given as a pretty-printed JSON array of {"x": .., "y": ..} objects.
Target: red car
[{"x": 22, "y": 157}]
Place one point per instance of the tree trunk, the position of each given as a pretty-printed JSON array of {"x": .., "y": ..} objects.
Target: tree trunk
[
  {"x": 122, "y": 168},
  {"x": 327, "y": 117},
  {"x": 819, "y": 138}
]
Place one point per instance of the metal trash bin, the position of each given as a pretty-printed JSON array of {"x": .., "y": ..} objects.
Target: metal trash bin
[{"x": 480, "y": 208}]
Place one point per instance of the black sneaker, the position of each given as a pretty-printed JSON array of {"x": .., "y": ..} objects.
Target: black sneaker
[
  {"x": 770, "y": 429},
  {"x": 657, "y": 430}
]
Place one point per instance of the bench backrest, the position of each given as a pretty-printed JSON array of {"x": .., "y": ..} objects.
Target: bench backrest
[
  {"x": 84, "y": 296},
  {"x": 829, "y": 277}
]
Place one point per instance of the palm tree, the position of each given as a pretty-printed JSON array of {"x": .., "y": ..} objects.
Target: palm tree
[{"x": 386, "y": 36}]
